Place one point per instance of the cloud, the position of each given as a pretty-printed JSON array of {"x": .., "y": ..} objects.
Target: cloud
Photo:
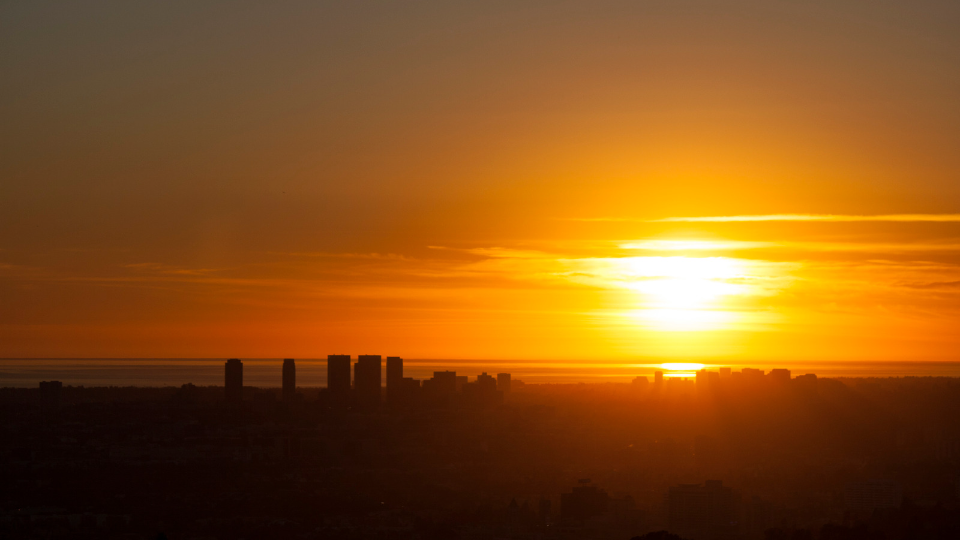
[
  {"x": 904, "y": 218},
  {"x": 694, "y": 245},
  {"x": 938, "y": 218}
]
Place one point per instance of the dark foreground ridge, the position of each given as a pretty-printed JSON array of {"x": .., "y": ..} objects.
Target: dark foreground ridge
[{"x": 747, "y": 455}]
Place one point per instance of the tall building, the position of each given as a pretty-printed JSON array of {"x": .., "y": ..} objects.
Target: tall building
[
  {"x": 752, "y": 375},
  {"x": 482, "y": 392},
  {"x": 486, "y": 382},
  {"x": 440, "y": 386},
  {"x": 338, "y": 375},
  {"x": 446, "y": 381},
  {"x": 394, "y": 380},
  {"x": 780, "y": 376},
  {"x": 503, "y": 382},
  {"x": 366, "y": 380},
  {"x": 658, "y": 377},
  {"x": 233, "y": 380},
  {"x": 289, "y": 379},
  {"x": 703, "y": 512},
  {"x": 701, "y": 379}
]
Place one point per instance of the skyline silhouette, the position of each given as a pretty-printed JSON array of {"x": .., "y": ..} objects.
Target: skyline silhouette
[{"x": 528, "y": 270}]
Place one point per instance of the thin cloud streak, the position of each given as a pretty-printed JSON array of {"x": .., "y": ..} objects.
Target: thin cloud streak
[
  {"x": 938, "y": 218},
  {"x": 902, "y": 218}
]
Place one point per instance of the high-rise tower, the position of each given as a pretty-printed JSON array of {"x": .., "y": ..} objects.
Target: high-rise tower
[
  {"x": 366, "y": 380},
  {"x": 338, "y": 374},
  {"x": 233, "y": 380}
]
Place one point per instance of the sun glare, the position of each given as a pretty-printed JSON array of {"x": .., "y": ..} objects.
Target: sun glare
[
  {"x": 680, "y": 366},
  {"x": 683, "y": 293}
]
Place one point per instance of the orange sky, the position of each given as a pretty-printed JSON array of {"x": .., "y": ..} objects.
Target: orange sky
[{"x": 499, "y": 180}]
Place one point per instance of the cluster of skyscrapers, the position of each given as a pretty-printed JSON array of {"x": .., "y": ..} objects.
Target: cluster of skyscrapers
[
  {"x": 366, "y": 388},
  {"x": 705, "y": 379}
]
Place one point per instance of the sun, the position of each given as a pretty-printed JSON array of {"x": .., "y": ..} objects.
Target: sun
[{"x": 684, "y": 293}]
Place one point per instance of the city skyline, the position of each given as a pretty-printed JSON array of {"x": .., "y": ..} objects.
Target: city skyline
[{"x": 497, "y": 270}]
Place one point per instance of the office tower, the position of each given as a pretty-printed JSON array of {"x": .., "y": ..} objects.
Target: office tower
[
  {"x": 640, "y": 383},
  {"x": 233, "y": 380},
  {"x": 394, "y": 380},
  {"x": 503, "y": 382},
  {"x": 338, "y": 375},
  {"x": 658, "y": 377},
  {"x": 410, "y": 389},
  {"x": 482, "y": 392},
  {"x": 289, "y": 379},
  {"x": 806, "y": 382},
  {"x": 707, "y": 511},
  {"x": 780, "y": 376},
  {"x": 461, "y": 382},
  {"x": 442, "y": 383},
  {"x": 725, "y": 372},
  {"x": 50, "y": 394},
  {"x": 366, "y": 380},
  {"x": 486, "y": 382},
  {"x": 446, "y": 381},
  {"x": 752, "y": 377}
]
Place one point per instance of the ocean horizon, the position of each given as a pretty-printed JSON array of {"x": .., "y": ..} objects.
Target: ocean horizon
[{"x": 312, "y": 372}]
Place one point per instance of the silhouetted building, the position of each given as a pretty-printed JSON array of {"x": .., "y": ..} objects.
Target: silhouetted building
[
  {"x": 725, "y": 372},
  {"x": 780, "y": 376},
  {"x": 503, "y": 382},
  {"x": 486, "y": 382},
  {"x": 752, "y": 376},
  {"x": 366, "y": 380},
  {"x": 640, "y": 383},
  {"x": 583, "y": 502},
  {"x": 50, "y": 394},
  {"x": 289, "y": 379},
  {"x": 806, "y": 382},
  {"x": 707, "y": 380},
  {"x": 395, "y": 380},
  {"x": 462, "y": 381},
  {"x": 410, "y": 389},
  {"x": 482, "y": 392},
  {"x": 338, "y": 375},
  {"x": 233, "y": 380},
  {"x": 444, "y": 382},
  {"x": 703, "y": 512},
  {"x": 658, "y": 377}
]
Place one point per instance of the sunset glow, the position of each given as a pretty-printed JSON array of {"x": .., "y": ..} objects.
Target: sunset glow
[
  {"x": 616, "y": 194},
  {"x": 676, "y": 366}
]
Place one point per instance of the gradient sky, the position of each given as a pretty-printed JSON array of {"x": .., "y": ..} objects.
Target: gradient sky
[{"x": 523, "y": 180}]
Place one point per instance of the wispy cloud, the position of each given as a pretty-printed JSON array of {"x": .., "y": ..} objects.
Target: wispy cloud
[
  {"x": 694, "y": 245},
  {"x": 905, "y": 218},
  {"x": 817, "y": 217}
]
